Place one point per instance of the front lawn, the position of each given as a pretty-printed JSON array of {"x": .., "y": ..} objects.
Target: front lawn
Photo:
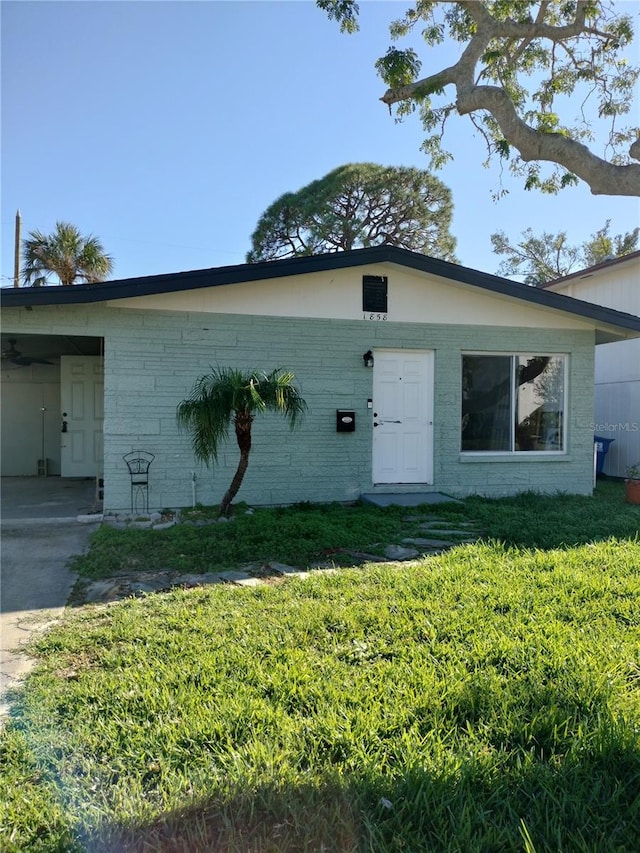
[
  {"x": 487, "y": 699},
  {"x": 306, "y": 533}
]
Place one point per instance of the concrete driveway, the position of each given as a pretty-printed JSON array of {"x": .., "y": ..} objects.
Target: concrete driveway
[{"x": 40, "y": 532}]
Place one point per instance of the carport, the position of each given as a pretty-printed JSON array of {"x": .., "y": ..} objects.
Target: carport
[
  {"x": 47, "y": 498},
  {"x": 43, "y": 395}
]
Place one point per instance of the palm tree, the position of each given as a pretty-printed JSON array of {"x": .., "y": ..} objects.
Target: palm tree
[
  {"x": 227, "y": 394},
  {"x": 65, "y": 253}
]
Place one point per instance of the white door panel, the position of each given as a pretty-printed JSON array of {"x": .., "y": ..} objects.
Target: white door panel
[
  {"x": 81, "y": 397},
  {"x": 403, "y": 416}
]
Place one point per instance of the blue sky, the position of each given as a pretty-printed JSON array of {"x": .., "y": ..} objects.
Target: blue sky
[{"x": 167, "y": 128}]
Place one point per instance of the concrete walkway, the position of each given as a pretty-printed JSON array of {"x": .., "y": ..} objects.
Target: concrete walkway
[{"x": 39, "y": 535}]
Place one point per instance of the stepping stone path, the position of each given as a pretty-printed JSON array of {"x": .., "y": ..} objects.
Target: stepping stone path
[
  {"x": 143, "y": 583},
  {"x": 436, "y": 529},
  {"x": 397, "y": 552},
  {"x": 431, "y": 544},
  {"x": 258, "y": 573}
]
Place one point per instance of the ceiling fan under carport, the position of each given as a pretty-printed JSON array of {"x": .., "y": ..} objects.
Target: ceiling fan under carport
[{"x": 15, "y": 356}]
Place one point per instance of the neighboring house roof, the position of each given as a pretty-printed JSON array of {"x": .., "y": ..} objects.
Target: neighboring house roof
[
  {"x": 588, "y": 271},
  {"x": 627, "y": 324}
]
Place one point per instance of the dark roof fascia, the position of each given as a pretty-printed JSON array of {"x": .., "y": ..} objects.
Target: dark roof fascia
[
  {"x": 218, "y": 276},
  {"x": 128, "y": 288},
  {"x": 589, "y": 271}
]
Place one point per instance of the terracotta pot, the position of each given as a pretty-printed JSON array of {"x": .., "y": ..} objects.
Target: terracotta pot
[{"x": 632, "y": 488}]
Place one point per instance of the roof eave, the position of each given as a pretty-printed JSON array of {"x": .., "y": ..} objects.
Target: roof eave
[
  {"x": 215, "y": 277},
  {"x": 587, "y": 272}
]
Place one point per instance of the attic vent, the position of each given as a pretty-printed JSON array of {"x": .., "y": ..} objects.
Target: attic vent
[{"x": 374, "y": 293}]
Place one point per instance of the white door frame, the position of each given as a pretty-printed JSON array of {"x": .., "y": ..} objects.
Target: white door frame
[{"x": 402, "y": 443}]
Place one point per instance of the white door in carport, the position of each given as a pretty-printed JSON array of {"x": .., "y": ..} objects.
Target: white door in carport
[
  {"x": 82, "y": 407},
  {"x": 403, "y": 416}
]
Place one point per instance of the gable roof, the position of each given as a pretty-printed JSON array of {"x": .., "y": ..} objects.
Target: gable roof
[
  {"x": 588, "y": 271},
  {"x": 627, "y": 324}
]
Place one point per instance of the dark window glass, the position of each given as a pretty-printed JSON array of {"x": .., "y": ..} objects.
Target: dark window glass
[
  {"x": 513, "y": 402},
  {"x": 486, "y": 402}
]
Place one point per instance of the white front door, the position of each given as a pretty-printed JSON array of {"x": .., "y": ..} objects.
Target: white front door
[
  {"x": 81, "y": 398},
  {"x": 403, "y": 416}
]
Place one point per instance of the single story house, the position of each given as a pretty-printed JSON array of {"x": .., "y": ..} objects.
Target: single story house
[
  {"x": 420, "y": 376},
  {"x": 616, "y": 284}
]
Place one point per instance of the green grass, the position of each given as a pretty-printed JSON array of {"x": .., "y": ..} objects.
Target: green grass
[
  {"x": 306, "y": 533},
  {"x": 535, "y": 521},
  {"x": 484, "y": 700},
  {"x": 296, "y": 535}
]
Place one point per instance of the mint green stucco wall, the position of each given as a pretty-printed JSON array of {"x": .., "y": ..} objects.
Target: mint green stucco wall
[{"x": 152, "y": 359}]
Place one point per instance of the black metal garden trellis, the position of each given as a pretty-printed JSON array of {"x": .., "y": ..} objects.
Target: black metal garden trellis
[{"x": 138, "y": 462}]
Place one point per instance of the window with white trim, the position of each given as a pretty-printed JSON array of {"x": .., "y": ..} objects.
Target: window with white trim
[{"x": 513, "y": 403}]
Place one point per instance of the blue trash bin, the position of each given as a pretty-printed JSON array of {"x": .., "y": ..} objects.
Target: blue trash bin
[{"x": 602, "y": 448}]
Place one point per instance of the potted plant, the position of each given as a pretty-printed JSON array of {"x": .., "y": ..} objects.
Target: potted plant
[{"x": 632, "y": 484}]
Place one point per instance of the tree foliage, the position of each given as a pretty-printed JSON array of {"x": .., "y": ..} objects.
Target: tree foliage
[
  {"x": 227, "y": 395},
  {"x": 542, "y": 258},
  {"x": 355, "y": 206},
  {"x": 66, "y": 254},
  {"x": 522, "y": 64}
]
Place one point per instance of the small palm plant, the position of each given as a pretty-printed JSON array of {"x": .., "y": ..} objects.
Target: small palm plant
[{"x": 227, "y": 394}]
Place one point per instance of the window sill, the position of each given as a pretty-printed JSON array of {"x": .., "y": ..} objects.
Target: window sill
[{"x": 517, "y": 456}]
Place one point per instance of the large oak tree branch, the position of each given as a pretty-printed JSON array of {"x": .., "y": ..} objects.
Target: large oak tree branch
[
  {"x": 505, "y": 39},
  {"x": 603, "y": 177}
]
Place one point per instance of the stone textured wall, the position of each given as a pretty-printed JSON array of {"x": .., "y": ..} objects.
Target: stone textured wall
[{"x": 152, "y": 359}]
